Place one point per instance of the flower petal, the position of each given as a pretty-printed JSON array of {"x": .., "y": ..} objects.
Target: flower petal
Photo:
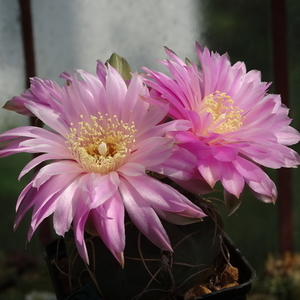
[
  {"x": 109, "y": 222},
  {"x": 163, "y": 196},
  {"x": 232, "y": 180},
  {"x": 143, "y": 216}
]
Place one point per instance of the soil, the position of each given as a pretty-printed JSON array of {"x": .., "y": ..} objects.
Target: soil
[{"x": 227, "y": 279}]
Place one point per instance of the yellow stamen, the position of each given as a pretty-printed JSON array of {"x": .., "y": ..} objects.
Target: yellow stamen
[
  {"x": 101, "y": 144},
  {"x": 226, "y": 117}
]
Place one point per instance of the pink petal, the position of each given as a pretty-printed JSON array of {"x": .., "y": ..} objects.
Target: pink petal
[
  {"x": 25, "y": 201},
  {"x": 56, "y": 168},
  {"x": 137, "y": 109},
  {"x": 143, "y": 216},
  {"x": 115, "y": 92},
  {"x": 13, "y": 147},
  {"x": 79, "y": 221},
  {"x": 50, "y": 117},
  {"x": 196, "y": 185},
  {"x": 211, "y": 170},
  {"x": 180, "y": 165},
  {"x": 96, "y": 188},
  {"x": 36, "y": 161},
  {"x": 248, "y": 169},
  {"x": 224, "y": 154},
  {"x": 163, "y": 196},
  {"x": 131, "y": 169},
  {"x": 111, "y": 228},
  {"x": 155, "y": 114},
  {"x": 152, "y": 151},
  {"x": 66, "y": 206},
  {"x": 31, "y": 132},
  {"x": 175, "y": 218},
  {"x": 264, "y": 190},
  {"x": 289, "y": 136},
  {"x": 232, "y": 180}
]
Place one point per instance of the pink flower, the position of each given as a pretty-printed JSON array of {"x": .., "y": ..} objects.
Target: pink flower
[
  {"x": 102, "y": 141},
  {"x": 41, "y": 91},
  {"x": 236, "y": 126}
]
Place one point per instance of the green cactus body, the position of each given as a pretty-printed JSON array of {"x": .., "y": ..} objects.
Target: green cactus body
[{"x": 150, "y": 273}]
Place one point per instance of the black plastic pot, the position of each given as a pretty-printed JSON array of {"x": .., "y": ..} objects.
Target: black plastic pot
[
  {"x": 55, "y": 254},
  {"x": 246, "y": 276}
]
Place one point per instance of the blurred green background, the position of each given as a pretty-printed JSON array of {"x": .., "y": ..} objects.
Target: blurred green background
[{"x": 241, "y": 28}]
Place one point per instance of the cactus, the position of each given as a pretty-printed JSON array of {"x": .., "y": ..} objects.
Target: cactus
[{"x": 150, "y": 273}]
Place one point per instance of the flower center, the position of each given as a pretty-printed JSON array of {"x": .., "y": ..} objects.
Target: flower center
[
  {"x": 226, "y": 117},
  {"x": 102, "y": 144}
]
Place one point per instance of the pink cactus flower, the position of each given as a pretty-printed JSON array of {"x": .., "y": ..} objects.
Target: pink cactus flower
[
  {"x": 40, "y": 91},
  {"x": 236, "y": 126},
  {"x": 101, "y": 139}
]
